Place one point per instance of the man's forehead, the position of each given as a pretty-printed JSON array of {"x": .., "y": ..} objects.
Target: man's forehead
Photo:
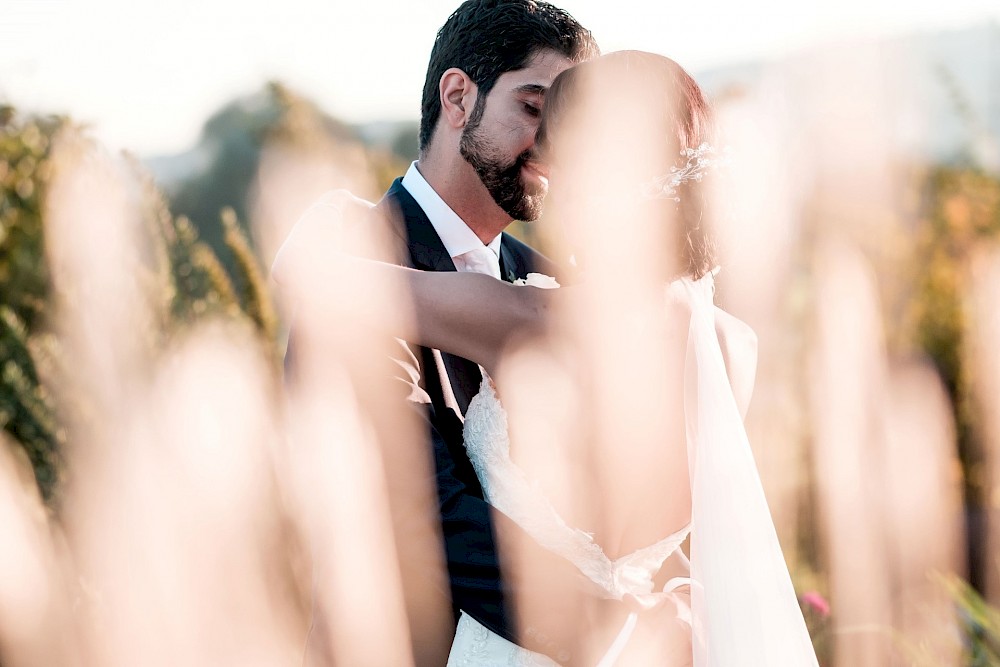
[{"x": 538, "y": 74}]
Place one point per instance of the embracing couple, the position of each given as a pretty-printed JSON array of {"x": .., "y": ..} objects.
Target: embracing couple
[{"x": 517, "y": 93}]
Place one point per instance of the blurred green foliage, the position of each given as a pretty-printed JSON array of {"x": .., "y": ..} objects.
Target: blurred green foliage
[
  {"x": 183, "y": 276},
  {"x": 962, "y": 215},
  {"x": 233, "y": 140},
  {"x": 981, "y": 623},
  {"x": 231, "y": 147},
  {"x": 26, "y": 409},
  {"x": 201, "y": 262},
  {"x": 961, "y": 219},
  {"x": 24, "y": 150}
]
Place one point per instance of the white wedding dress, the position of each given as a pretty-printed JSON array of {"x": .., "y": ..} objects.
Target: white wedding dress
[{"x": 737, "y": 597}]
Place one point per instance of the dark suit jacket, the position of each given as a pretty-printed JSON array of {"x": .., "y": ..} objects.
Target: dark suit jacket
[
  {"x": 473, "y": 566},
  {"x": 479, "y": 583}
]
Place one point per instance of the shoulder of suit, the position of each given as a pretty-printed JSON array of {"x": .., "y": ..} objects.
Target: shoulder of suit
[
  {"x": 388, "y": 211},
  {"x": 534, "y": 260},
  {"x": 359, "y": 227},
  {"x": 521, "y": 249}
]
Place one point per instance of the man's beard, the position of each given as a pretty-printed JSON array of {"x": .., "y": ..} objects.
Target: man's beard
[{"x": 502, "y": 181}]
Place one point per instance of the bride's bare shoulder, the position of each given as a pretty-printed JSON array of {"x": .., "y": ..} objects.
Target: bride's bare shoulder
[{"x": 739, "y": 350}]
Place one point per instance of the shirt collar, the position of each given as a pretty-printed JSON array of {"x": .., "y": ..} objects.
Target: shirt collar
[{"x": 456, "y": 236}]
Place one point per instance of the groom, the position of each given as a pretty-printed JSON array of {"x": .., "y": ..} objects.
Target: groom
[{"x": 478, "y": 170}]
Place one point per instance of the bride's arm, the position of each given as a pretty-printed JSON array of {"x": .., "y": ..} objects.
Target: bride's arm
[{"x": 471, "y": 315}]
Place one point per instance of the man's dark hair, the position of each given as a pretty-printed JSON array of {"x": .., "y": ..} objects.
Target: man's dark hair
[{"x": 488, "y": 38}]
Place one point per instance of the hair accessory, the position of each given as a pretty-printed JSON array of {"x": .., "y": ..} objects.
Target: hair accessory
[{"x": 699, "y": 161}]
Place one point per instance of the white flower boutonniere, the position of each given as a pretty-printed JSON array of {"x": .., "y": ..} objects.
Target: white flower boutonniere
[{"x": 538, "y": 280}]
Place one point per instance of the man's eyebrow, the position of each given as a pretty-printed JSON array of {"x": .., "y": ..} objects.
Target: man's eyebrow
[{"x": 531, "y": 89}]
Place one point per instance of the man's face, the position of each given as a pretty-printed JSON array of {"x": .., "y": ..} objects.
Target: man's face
[{"x": 499, "y": 142}]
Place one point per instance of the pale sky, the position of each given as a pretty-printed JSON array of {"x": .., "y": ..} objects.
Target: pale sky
[{"x": 147, "y": 73}]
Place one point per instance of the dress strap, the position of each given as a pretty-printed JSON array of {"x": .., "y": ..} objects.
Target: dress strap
[{"x": 669, "y": 592}]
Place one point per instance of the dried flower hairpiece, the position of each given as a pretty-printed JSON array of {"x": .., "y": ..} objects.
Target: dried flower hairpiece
[{"x": 699, "y": 161}]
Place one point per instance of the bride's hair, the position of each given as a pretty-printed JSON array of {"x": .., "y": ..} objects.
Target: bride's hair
[{"x": 655, "y": 104}]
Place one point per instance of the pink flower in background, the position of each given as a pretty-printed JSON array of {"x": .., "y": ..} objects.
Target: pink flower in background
[{"x": 816, "y": 602}]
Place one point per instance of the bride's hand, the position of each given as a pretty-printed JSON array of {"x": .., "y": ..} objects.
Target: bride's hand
[{"x": 323, "y": 229}]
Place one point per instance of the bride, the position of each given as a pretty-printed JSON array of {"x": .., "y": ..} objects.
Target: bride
[{"x": 626, "y": 140}]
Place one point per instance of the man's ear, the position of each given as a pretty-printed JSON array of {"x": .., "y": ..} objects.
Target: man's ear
[{"x": 458, "y": 97}]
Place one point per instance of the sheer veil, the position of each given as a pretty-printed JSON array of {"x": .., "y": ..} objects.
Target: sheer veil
[{"x": 743, "y": 606}]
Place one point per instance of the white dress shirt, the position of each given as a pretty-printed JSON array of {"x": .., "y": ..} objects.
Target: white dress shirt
[{"x": 469, "y": 254}]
